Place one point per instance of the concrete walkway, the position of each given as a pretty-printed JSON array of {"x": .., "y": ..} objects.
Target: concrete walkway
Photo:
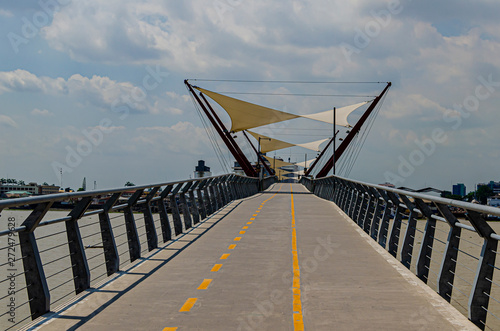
[{"x": 265, "y": 264}]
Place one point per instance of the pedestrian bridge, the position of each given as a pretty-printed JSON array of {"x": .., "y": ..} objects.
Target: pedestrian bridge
[{"x": 216, "y": 254}]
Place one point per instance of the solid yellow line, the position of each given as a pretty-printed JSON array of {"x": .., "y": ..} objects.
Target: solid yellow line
[
  {"x": 188, "y": 304},
  {"x": 216, "y": 268},
  {"x": 204, "y": 284},
  {"x": 232, "y": 246},
  {"x": 224, "y": 256},
  {"x": 298, "y": 322},
  {"x": 237, "y": 239}
]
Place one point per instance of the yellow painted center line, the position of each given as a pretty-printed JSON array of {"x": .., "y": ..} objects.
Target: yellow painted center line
[
  {"x": 188, "y": 304},
  {"x": 249, "y": 222},
  {"x": 257, "y": 211},
  {"x": 298, "y": 322},
  {"x": 232, "y": 246},
  {"x": 242, "y": 232},
  {"x": 204, "y": 284},
  {"x": 245, "y": 227},
  {"x": 224, "y": 256},
  {"x": 216, "y": 268},
  {"x": 252, "y": 219},
  {"x": 237, "y": 239},
  {"x": 254, "y": 215},
  {"x": 169, "y": 329}
]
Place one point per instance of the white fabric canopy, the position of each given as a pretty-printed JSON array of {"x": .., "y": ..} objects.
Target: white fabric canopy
[
  {"x": 306, "y": 163},
  {"x": 341, "y": 115},
  {"x": 313, "y": 145}
]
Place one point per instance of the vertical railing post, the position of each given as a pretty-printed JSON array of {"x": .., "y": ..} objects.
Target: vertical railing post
[
  {"x": 186, "y": 214},
  {"x": 369, "y": 214},
  {"x": 38, "y": 291},
  {"x": 195, "y": 210},
  {"x": 176, "y": 216},
  {"x": 202, "y": 208},
  {"x": 396, "y": 225},
  {"x": 149, "y": 223},
  {"x": 213, "y": 195},
  {"x": 406, "y": 251},
  {"x": 424, "y": 255},
  {"x": 375, "y": 221},
  {"x": 384, "y": 222},
  {"x": 166, "y": 230},
  {"x": 480, "y": 293},
  {"x": 446, "y": 274},
  {"x": 134, "y": 245},
  {"x": 108, "y": 239},
  {"x": 206, "y": 197},
  {"x": 80, "y": 267}
]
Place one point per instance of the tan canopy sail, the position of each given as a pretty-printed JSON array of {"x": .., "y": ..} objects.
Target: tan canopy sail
[
  {"x": 268, "y": 144},
  {"x": 276, "y": 163},
  {"x": 245, "y": 115},
  {"x": 341, "y": 114}
]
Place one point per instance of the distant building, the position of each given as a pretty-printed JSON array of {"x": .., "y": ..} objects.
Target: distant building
[
  {"x": 495, "y": 186},
  {"x": 31, "y": 188},
  {"x": 494, "y": 201},
  {"x": 237, "y": 169},
  {"x": 201, "y": 170},
  {"x": 459, "y": 189},
  {"x": 48, "y": 189}
]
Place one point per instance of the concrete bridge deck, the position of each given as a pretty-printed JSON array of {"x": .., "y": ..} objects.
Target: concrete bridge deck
[{"x": 265, "y": 263}]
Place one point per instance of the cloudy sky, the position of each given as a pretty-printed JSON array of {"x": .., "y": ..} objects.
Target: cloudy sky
[{"x": 96, "y": 87}]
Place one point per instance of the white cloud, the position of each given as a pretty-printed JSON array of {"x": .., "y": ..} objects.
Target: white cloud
[
  {"x": 6, "y": 121},
  {"x": 44, "y": 112},
  {"x": 6, "y": 13},
  {"x": 102, "y": 92}
]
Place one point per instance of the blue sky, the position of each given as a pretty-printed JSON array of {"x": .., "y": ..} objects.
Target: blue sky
[{"x": 103, "y": 80}]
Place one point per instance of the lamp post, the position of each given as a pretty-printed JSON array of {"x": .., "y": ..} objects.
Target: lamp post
[{"x": 261, "y": 172}]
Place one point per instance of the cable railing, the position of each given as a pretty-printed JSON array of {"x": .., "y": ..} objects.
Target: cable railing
[
  {"x": 464, "y": 269},
  {"x": 48, "y": 255}
]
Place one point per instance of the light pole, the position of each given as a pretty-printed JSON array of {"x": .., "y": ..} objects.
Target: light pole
[{"x": 261, "y": 172}]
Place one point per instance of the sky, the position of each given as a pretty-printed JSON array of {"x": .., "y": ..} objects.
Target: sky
[{"x": 96, "y": 88}]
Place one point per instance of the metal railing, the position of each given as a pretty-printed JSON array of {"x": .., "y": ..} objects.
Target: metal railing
[
  {"x": 425, "y": 235},
  {"x": 71, "y": 252}
]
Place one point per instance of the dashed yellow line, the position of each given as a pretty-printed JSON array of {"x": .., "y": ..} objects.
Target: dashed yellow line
[
  {"x": 216, "y": 267},
  {"x": 245, "y": 227},
  {"x": 188, "y": 304},
  {"x": 242, "y": 232},
  {"x": 298, "y": 322},
  {"x": 237, "y": 239},
  {"x": 204, "y": 284},
  {"x": 250, "y": 222},
  {"x": 252, "y": 219},
  {"x": 232, "y": 246},
  {"x": 224, "y": 256},
  {"x": 169, "y": 329},
  {"x": 254, "y": 215}
]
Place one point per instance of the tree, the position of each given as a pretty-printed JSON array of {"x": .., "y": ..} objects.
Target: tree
[
  {"x": 129, "y": 184},
  {"x": 483, "y": 193},
  {"x": 81, "y": 189},
  {"x": 21, "y": 182},
  {"x": 45, "y": 183}
]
